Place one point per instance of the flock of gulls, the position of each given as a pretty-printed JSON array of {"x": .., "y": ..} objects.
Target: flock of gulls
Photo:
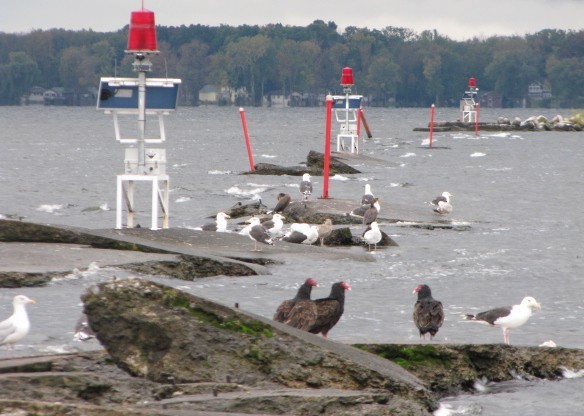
[{"x": 317, "y": 316}]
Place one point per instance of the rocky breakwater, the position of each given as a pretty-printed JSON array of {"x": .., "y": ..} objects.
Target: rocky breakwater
[
  {"x": 178, "y": 340},
  {"x": 533, "y": 123}
]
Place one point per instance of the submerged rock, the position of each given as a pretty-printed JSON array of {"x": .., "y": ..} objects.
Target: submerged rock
[{"x": 314, "y": 166}]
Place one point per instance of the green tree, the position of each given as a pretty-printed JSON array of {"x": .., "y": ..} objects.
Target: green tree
[
  {"x": 244, "y": 56},
  {"x": 20, "y": 74},
  {"x": 382, "y": 79}
]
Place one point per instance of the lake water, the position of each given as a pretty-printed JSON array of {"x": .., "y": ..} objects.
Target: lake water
[{"x": 520, "y": 193}]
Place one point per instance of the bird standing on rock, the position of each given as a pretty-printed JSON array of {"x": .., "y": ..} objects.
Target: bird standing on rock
[
  {"x": 329, "y": 309},
  {"x": 324, "y": 230},
  {"x": 16, "y": 327},
  {"x": 274, "y": 226},
  {"x": 220, "y": 224},
  {"x": 283, "y": 311},
  {"x": 283, "y": 202},
  {"x": 372, "y": 235},
  {"x": 428, "y": 312},
  {"x": 371, "y": 214},
  {"x": 507, "y": 317},
  {"x": 305, "y": 187},
  {"x": 259, "y": 234},
  {"x": 367, "y": 197}
]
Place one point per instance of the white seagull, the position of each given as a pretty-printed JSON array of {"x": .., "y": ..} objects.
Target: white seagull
[
  {"x": 372, "y": 235},
  {"x": 305, "y": 187},
  {"x": 17, "y": 326},
  {"x": 507, "y": 317},
  {"x": 442, "y": 203},
  {"x": 220, "y": 224}
]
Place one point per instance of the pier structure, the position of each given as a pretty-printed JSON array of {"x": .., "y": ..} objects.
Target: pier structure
[{"x": 145, "y": 98}]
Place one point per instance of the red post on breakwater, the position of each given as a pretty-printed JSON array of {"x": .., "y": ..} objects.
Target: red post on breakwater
[
  {"x": 476, "y": 119},
  {"x": 364, "y": 121},
  {"x": 247, "y": 142},
  {"x": 433, "y": 108},
  {"x": 327, "y": 147}
]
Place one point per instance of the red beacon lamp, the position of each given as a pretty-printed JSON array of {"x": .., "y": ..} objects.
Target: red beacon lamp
[
  {"x": 142, "y": 35},
  {"x": 472, "y": 83},
  {"x": 347, "y": 77}
]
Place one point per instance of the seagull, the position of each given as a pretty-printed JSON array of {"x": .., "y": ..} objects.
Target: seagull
[
  {"x": 220, "y": 224},
  {"x": 372, "y": 235},
  {"x": 442, "y": 203},
  {"x": 305, "y": 187},
  {"x": 16, "y": 327},
  {"x": 301, "y": 233},
  {"x": 371, "y": 214},
  {"x": 507, "y": 317},
  {"x": 251, "y": 222},
  {"x": 259, "y": 234},
  {"x": 367, "y": 197},
  {"x": 274, "y": 226},
  {"x": 83, "y": 331},
  {"x": 324, "y": 230}
]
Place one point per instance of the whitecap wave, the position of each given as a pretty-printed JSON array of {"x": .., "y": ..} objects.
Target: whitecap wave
[
  {"x": 246, "y": 193},
  {"x": 50, "y": 208},
  {"x": 269, "y": 156},
  {"x": 409, "y": 154},
  {"x": 182, "y": 199},
  {"x": 568, "y": 373},
  {"x": 478, "y": 154},
  {"x": 338, "y": 177}
]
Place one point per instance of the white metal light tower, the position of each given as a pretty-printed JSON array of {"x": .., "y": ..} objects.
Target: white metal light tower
[
  {"x": 347, "y": 109},
  {"x": 468, "y": 104},
  {"x": 142, "y": 96}
]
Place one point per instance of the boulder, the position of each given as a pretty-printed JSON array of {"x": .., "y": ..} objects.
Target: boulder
[
  {"x": 167, "y": 336},
  {"x": 314, "y": 166}
]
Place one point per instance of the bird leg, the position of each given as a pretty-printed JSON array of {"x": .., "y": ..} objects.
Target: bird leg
[{"x": 506, "y": 336}]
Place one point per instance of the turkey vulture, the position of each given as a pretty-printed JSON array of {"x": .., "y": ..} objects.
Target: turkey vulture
[
  {"x": 507, "y": 317},
  {"x": 428, "y": 312},
  {"x": 329, "y": 309},
  {"x": 442, "y": 203},
  {"x": 303, "y": 293}
]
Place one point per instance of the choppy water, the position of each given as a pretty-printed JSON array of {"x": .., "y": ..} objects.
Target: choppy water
[{"x": 521, "y": 194}]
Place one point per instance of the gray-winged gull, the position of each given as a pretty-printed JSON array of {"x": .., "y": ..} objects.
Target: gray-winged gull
[
  {"x": 507, "y": 317},
  {"x": 442, "y": 203},
  {"x": 372, "y": 235}
]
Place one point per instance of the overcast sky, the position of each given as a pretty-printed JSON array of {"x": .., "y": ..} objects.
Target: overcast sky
[{"x": 457, "y": 19}]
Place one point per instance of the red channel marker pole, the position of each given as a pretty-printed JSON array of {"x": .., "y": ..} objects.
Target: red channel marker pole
[
  {"x": 433, "y": 108},
  {"x": 327, "y": 147},
  {"x": 247, "y": 142},
  {"x": 476, "y": 119}
]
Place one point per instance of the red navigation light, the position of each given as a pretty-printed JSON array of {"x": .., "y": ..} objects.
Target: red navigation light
[
  {"x": 472, "y": 83},
  {"x": 142, "y": 36},
  {"x": 347, "y": 77}
]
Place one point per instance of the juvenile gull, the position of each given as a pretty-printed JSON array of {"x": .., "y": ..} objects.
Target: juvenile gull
[
  {"x": 16, "y": 327},
  {"x": 507, "y": 317},
  {"x": 371, "y": 214},
  {"x": 283, "y": 202},
  {"x": 324, "y": 230}
]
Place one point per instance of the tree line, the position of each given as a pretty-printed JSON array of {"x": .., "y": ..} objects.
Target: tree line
[{"x": 393, "y": 66}]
